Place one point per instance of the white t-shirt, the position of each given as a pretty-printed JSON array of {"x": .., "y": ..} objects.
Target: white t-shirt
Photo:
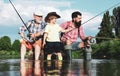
[{"x": 53, "y": 32}]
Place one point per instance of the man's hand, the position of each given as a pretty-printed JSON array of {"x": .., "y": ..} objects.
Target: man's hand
[
  {"x": 25, "y": 39},
  {"x": 89, "y": 37},
  {"x": 90, "y": 40},
  {"x": 32, "y": 35}
]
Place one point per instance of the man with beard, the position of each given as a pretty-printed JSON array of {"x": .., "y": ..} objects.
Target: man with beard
[
  {"x": 34, "y": 40},
  {"x": 70, "y": 38}
]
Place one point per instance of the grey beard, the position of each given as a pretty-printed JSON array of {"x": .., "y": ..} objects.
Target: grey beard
[{"x": 37, "y": 21}]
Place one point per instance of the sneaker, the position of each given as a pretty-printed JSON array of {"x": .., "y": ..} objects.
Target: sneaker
[
  {"x": 60, "y": 58},
  {"x": 48, "y": 57}
]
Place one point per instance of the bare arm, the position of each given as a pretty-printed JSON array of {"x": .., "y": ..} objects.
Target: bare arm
[
  {"x": 22, "y": 34},
  {"x": 44, "y": 38}
]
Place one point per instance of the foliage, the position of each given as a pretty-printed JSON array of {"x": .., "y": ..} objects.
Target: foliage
[
  {"x": 107, "y": 50},
  {"x": 9, "y": 54},
  {"x": 116, "y": 16},
  {"x": 105, "y": 28},
  {"x": 77, "y": 54},
  {"x": 16, "y": 45},
  {"x": 5, "y": 43}
]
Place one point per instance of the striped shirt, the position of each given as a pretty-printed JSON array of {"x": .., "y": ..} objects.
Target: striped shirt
[{"x": 72, "y": 35}]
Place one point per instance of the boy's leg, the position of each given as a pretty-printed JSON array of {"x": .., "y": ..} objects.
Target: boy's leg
[
  {"x": 49, "y": 56},
  {"x": 81, "y": 45},
  {"x": 60, "y": 56}
]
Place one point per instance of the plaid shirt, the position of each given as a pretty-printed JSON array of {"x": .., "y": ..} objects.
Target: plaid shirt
[
  {"x": 72, "y": 35},
  {"x": 32, "y": 28}
]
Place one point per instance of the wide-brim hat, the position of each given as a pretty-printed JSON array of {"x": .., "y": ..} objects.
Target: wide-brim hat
[{"x": 51, "y": 14}]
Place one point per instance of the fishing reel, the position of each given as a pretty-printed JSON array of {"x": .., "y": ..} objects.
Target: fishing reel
[
  {"x": 32, "y": 40},
  {"x": 91, "y": 41},
  {"x": 28, "y": 39}
]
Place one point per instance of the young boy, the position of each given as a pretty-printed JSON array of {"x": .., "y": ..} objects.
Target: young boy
[{"x": 51, "y": 36}]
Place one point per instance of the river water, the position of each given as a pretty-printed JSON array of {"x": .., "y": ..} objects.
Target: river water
[{"x": 75, "y": 67}]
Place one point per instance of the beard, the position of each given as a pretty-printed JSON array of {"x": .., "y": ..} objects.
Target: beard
[
  {"x": 77, "y": 24},
  {"x": 38, "y": 21}
]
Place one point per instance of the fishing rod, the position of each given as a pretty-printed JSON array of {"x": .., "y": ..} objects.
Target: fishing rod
[
  {"x": 97, "y": 15},
  {"x": 19, "y": 16},
  {"x": 92, "y": 39},
  {"x": 100, "y": 13},
  {"x": 107, "y": 38}
]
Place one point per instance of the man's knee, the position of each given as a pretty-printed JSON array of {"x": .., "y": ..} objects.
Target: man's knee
[
  {"x": 36, "y": 46},
  {"x": 81, "y": 45},
  {"x": 23, "y": 46},
  {"x": 68, "y": 42}
]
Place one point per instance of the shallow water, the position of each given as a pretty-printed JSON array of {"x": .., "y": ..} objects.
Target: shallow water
[{"x": 75, "y": 67}]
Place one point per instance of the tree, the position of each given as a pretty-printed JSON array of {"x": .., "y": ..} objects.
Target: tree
[
  {"x": 16, "y": 45},
  {"x": 5, "y": 43},
  {"x": 116, "y": 15},
  {"x": 105, "y": 28}
]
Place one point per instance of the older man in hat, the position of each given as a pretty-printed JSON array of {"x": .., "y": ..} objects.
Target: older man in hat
[
  {"x": 51, "y": 36},
  {"x": 36, "y": 28}
]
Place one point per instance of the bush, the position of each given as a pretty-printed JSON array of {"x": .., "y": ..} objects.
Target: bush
[
  {"x": 106, "y": 50},
  {"x": 9, "y": 54}
]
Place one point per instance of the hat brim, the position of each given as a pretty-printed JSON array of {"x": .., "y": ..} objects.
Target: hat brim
[
  {"x": 57, "y": 16},
  {"x": 51, "y": 14},
  {"x": 54, "y": 14},
  {"x": 38, "y": 15}
]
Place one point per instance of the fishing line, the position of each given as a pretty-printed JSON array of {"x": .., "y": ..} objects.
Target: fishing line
[{"x": 101, "y": 13}]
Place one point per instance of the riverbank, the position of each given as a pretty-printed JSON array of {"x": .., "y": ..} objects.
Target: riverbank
[{"x": 9, "y": 54}]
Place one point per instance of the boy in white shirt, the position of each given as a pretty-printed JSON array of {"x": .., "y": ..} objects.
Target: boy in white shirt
[{"x": 51, "y": 36}]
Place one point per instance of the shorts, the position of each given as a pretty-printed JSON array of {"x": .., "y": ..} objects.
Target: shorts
[
  {"x": 75, "y": 45},
  {"x": 53, "y": 47},
  {"x": 29, "y": 45}
]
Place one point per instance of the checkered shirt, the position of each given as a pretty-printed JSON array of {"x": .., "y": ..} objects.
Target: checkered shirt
[
  {"x": 32, "y": 28},
  {"x": 72, "y": 35}
]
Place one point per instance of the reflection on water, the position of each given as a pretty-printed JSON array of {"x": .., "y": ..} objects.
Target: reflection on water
[
  {"x": 30, "y": 68},
  {"x": 76, "y": 67},
  {"x": 53, "y": 68},
  {"x": 9, "y": 67}
]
